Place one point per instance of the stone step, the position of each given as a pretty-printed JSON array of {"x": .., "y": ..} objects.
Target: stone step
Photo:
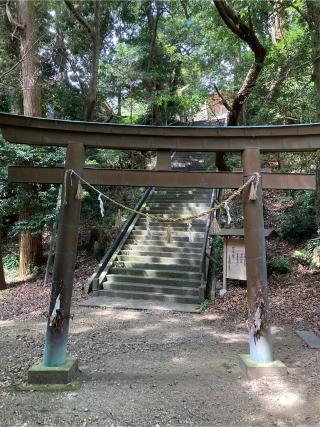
[
  {"x": 165, "y": 253},
  {"x": 194, "y": 276},
  {"x": 198, "y": 221},
  {"x": 174, "y": 260},
  {"x": 174, "y": 233},
  {"x": 163, "y": 248},
  {"x": 182, "y": 190},
  {"x": 173, "y": 299},
  {"x": 179, "y": 226},
  {"x": 157, "y": 263},
  {"x": 202, "y": 198},
  {"x": 169, "y": 281},
  {"x": 163, "y": 243},
  {"x": 177, "y": 205},
  {"x": 171, "y": 211},
  {"x": 141, "y": 239},
  {"x": 160, "y": 289},
  {"x": 182, "y": 216}
]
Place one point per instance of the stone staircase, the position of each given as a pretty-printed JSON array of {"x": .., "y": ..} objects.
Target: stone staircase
[
  {"x": 153, "y": 269},
  {"x": 148, "y": 268}
]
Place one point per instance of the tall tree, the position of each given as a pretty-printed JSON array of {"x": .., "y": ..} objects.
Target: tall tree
[
  {"x": 313, "y": 19},
  {"x": 26, "y": 26},
  {"x": 96, "y": 30}
]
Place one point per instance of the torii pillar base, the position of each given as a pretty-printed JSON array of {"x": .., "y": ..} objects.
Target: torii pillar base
[
  {"x": 255, "y": 370},
  {"x": 62, "y": 374}
]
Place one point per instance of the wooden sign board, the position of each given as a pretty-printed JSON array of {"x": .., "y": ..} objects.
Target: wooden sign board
[{"x": 234, "y": 259}]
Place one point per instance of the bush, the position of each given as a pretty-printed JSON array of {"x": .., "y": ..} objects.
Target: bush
[
  {"x": 10, "y": 263},
  {"x": 299, "y": 222},
  {"x": 310, "y": 255},
  {"x": 280, "y": 264}
]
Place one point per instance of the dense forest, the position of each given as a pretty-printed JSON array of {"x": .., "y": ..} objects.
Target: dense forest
[{"x": 156, "y": 63}]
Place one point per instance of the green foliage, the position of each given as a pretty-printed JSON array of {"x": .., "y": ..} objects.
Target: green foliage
[
  {"x": 310, "y": 253},
  {"x": 218, "y": 244},
  {"x": 233, "y": 161},
  {"x": 303, "y": 254},
  {"x": 299, "y": 221},
  {"x": 205, "y": 304},
  {"x": 10, "y": 263},
  {"x": 280, "y": 264}
]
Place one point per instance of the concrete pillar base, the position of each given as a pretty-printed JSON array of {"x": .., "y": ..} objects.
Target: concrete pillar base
[
  {"x": 63, "y": 374},
  {"x": 256, "y": 370}
]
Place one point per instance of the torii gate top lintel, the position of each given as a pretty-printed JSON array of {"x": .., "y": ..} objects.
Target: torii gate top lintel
[{"x": 25, "y": 130}]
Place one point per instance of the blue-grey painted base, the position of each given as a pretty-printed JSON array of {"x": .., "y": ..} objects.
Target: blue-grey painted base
[
  {"x": 261, "y": 348},
  {"x": 55, "y": 347}
]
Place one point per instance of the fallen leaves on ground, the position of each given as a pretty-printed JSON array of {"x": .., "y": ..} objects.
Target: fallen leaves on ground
[{"x": 294, "y": 297}]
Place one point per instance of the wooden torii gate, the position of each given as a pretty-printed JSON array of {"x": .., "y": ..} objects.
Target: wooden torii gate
[{"x": 77, "y": 136}]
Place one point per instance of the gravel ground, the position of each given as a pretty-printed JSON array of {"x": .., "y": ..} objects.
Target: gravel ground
[{"x": 143, "y": 368}]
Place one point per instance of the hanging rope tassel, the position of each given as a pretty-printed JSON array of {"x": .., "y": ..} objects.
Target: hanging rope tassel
[
  {"x": 215, "y": 227},
  {"x": 169, "y": 234},
  {"x": 254, "y": 188},
  {"x": 190, "y": 232},
  {"x": 101, "y": 205},
  {"x": 118, "y": 219},
  {"x": 79, "y": 193},
  {"x": 148, "y": 228},
  {"x": 227, "y": 209}
]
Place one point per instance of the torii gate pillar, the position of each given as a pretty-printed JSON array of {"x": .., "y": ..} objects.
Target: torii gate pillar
[
  {"x": 64, "y": 262},
  {"x": 260, "y": 361}
]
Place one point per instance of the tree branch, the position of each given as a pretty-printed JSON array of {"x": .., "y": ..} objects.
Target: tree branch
[
  {"x": 223, "y": 99},
  {"x": 238, "y": 27},
  {"x": 12, "y": 21},
  {"x": 23, "y": 57},
  {"x": 247, "y": 34},
  {"x": 79, "y": 18},
  {"x": 184, "y": 4},
  {"x": 301, "y": 13}
]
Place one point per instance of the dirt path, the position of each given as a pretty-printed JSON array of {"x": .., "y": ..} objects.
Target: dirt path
[{"x": 147, "y": 369}]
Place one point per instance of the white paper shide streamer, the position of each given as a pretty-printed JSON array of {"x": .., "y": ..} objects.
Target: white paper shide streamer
[
  {"x": 101, "y": 205},
  {"x": 55, "y": 310},
  {"x": 190, "y": 232},
  {"x": 148, "y": 228},
  {"x": 229, "y": 218}
]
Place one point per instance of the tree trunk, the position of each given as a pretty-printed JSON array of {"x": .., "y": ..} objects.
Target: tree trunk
[
  {"x": 3, "y": 284},
  {"x": 119, "y": 102},
  {"x": 313, "y": 9},
  {"x": 30, "y": 245},
  {"x": 94, "y": 31},
  {"x": 313, "y": 19},
  {"x": 30, "y": 63},
  {"x": 92, "y": 91},
  {"x": 30, "y": 253}
]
